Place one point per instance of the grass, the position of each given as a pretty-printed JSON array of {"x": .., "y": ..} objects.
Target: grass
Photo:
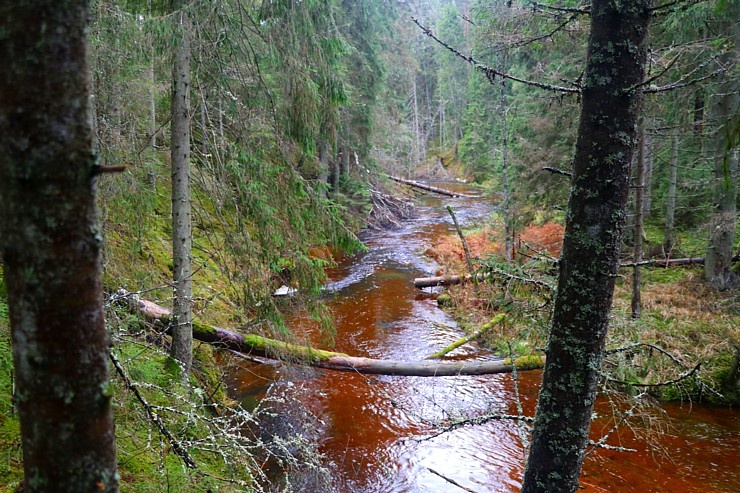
[{"x": 145, "y": 458}]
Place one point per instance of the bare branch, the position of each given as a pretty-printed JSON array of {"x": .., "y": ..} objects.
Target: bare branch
[
  {"x": 586, "y": 10},
  {"x": 682, "y": 376},
  {"x": 467, "y": 19},
  {"x": 547, "y": 35},
  {"x": 662, "y": 72},
  {"x": 675, "y": 6},
  {"x": 557, "y": 171},
  {"x": 679, "y": 84},
  {"x": 152, "y": 415},
  {"x": 490, "y": 72}
]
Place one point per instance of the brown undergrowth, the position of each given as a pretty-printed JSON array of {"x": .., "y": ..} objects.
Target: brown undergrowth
[{"x": 689, "y": 332}]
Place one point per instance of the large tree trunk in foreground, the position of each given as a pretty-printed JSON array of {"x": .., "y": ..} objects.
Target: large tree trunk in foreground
[
  {"x": 50, "y": 244},
  {"x": 590, "y": 259},
  {"x": 255, "y": 345},
  {"x": 182, "y": 236}
]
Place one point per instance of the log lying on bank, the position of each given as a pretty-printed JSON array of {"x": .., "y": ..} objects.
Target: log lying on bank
[
  {"x": 669, "y": 262},
  {"x": 429, "y": 188},
  {"x": 253, "y": 344},
  {"x": 428, "y": 282}
]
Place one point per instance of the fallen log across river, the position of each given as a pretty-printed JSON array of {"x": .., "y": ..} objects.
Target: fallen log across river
[
  {"x": 255, "y": 345},
  {"x": 429, "y": 188}
]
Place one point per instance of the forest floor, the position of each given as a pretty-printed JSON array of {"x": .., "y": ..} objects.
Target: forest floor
[{"x": 688, "y": 332}]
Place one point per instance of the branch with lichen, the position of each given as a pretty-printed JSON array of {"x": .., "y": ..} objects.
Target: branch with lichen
[{"x": 490, "y": 72}]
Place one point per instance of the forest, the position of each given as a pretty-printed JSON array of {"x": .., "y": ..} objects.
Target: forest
[{"x": 369, "y": 245}]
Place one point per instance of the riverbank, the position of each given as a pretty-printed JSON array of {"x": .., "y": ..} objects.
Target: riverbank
[{"x": 696, "y": 326}]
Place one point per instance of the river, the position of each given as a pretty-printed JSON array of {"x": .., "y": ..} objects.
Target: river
[{"x": 379, "y": 434}]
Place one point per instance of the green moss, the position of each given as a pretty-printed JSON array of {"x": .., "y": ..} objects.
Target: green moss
[
  {"x": 531, "y": 362},
  {"x": 11, "y": 465}
]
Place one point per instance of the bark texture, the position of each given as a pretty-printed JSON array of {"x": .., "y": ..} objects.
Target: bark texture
[
  {"x": 50, "y": 244},
  {"x": 590, "y": 258},
  {"x": 182, "y": 334}
]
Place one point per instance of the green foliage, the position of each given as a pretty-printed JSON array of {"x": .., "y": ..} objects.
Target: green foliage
[{"x": 11, "y": 465}]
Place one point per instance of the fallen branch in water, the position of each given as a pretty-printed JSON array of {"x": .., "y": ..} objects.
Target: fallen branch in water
[
  {"x": 464, "y": 340},
  {"x": 255, "y": 345},
  {"x": 451, "y": 481}
]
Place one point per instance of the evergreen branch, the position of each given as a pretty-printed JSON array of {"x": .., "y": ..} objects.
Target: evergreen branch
[
  {"x": 479, "y": 420},
  {"x": 490, "y": 72},
  {"x": 681, "y": 82}
]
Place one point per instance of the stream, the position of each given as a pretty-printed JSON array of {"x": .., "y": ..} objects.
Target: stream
[{"x": 379, "y": 434}]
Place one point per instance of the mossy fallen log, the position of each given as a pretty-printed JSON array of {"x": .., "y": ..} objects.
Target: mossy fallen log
[
  {"x": 464, "y": 340},
  {"x": 429, "y": 282},
  {"x": 256, "y": 345}
]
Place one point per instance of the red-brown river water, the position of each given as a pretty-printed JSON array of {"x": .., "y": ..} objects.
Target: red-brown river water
[{"x": 377, "y": 432}]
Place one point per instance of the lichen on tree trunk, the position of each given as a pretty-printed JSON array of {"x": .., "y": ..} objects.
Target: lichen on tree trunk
[
  {"x": 182, "y": 334},
  {"x": 590, "y": 258},
  {"x": 50, "y": 244}
]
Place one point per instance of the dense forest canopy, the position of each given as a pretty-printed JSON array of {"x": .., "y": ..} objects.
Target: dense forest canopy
[{"x": 311, "y": 96}]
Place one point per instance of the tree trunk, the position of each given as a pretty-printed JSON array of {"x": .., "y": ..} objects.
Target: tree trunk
[
  {"x": 417, "y": 130},
  {"x": 647, "y": 190},
  {"x": 50, "y": 244},
  {"x": 152, "y": 92},
  {"x": 508, "y": 234},
  {"x": 599, "y": 190},
  {"x": 324, "y": 171},
  {"x": 345, "y": 161},
  {"x": 670, "y": 215},
  {"x": 726, "y": 113},
  {"x": 638, "y": 229},
  {"x": 182, "y": 334}
]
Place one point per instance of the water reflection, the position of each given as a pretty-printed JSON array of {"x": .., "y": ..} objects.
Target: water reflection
[{"x": 378, "y": 430}]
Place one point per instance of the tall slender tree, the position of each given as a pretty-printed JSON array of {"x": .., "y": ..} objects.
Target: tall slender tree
[
  {"x": 726, "y": 116},
  {"x": 182, "y": 242},
  {"x": 50, "y": 245},
  {"x": 588, "y": 266}
]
